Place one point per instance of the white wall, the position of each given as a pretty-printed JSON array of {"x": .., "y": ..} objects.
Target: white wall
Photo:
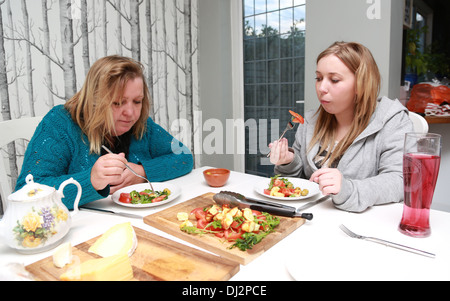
[
  {"x": 376, "y": 25},
  {"x": 215, "y": 76},
  {"x": 441, "y": 199}
]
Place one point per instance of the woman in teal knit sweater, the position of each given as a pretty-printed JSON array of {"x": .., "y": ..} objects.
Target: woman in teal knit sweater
[{"x": 111, "y": 109}]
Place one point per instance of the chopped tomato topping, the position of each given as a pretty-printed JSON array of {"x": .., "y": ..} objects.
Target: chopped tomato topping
[{"x": 297, "y": 117}]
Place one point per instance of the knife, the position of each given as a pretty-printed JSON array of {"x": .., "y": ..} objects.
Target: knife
[
  {"x": 312, "y": 203},
  {"x": 252, "y": 200},
  {"x": 224, "y": 198},
  {"x": 111, "y": 212}
]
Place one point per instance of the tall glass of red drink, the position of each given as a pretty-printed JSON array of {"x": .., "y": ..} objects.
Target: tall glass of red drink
[{"x": 421, "y": 160}]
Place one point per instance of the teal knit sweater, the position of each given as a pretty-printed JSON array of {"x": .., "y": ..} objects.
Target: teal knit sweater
[{"x": 59, "y": 150}]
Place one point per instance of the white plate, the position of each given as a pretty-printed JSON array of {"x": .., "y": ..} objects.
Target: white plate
[
  {"x": 175, "y": 192},
  {"x": 302, "y": 183}
]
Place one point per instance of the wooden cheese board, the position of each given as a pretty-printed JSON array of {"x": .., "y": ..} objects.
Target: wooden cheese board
[
  {"x": 166, "y": 220},
  {"x": 155, "y": 258}
]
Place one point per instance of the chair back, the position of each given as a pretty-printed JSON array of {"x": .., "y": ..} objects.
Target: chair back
[
  {"x": 12, "y": 130},
  {"x": 419, "y": 123}
]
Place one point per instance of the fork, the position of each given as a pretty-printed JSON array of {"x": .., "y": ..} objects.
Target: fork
[
  {"x": 129, "y": 168},
  {"x": 290, "y": 125},
  {"x": 386, "y": 243}
]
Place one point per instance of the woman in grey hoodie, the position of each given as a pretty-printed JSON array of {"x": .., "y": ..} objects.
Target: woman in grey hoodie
[{"x": 352, "y": 146}]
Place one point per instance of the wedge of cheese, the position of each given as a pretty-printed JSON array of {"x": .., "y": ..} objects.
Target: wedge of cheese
[
  {"x": 62, "y": 255},
  {"x": 113, "y": 268},
  {"x": 119, "y": 239}
]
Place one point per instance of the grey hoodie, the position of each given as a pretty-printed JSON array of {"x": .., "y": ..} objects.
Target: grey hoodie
[{"x": 372, "y": 165}]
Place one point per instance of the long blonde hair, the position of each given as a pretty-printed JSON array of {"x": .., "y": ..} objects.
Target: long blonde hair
[
  {"x": 360, "y": 61},
  {"x": 91, "y": 107}
]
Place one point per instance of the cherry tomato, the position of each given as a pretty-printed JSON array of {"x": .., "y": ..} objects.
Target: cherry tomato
[
  {"x": 232, "y": 235},
  {"x": 267, "y": 191},
  {"x": 158, "y": 199},
  {"x": 125, "y": 198},
  {"x": 256, "y": 212},
  {"x": 235, "y": 225},
  {"x": 199, "y": 213},
  {"x": 219, "y": 234},
  {"x": 261, "y": 217},
  {"x": 211, "y": 228},
  {"x": 287, "y": 191},
  {"x": 297, "y": 117},
  {"x": 278, "y": 183},
  {"x": 201, "y": 223}
]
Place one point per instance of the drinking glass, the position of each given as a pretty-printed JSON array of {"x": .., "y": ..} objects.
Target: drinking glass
[{"x": 421, "y": 160}]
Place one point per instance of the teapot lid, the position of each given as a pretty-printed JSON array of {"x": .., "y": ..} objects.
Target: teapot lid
[{"x": 31, "y": 191}]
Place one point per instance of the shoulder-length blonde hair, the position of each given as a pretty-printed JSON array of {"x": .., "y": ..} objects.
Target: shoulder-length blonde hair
[
  {"x": 91, "y": 107},
  {"x": 360, "y": 61}
]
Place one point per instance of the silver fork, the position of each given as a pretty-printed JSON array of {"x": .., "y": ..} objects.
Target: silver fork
[
  {"x": 290, "y": 125},
  {"x": 386, "y": 243},
  {"x": 129, "y": 168}
]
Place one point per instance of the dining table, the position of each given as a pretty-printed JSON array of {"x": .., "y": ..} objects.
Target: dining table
[{"x": 317, "y": 250}]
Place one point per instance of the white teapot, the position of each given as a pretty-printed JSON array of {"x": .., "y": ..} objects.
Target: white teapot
[{"x": 35, "y": 219}]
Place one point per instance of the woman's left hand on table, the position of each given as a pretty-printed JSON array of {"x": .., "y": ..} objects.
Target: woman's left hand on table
[{"x": 329, "y": 180}]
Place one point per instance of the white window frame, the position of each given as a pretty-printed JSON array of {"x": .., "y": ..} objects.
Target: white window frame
[{"x": 237, "y": 67}]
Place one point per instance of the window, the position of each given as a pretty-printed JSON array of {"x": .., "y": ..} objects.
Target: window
[
  {"x": 274, "y": 67},
  {"x": 419, "y": 23},
  {"x": 417, "y": 44}
]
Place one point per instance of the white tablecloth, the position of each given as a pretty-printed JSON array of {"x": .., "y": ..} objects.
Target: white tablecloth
[{"x": 318, "y": 250}]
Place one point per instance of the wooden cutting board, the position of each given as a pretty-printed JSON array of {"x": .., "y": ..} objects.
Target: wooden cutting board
[
  {"x": 155, "y": 258},
  {"x": 167, "y": 221}
]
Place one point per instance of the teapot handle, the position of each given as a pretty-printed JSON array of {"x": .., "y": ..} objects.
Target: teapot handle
[{"x": 77, "y": 199}]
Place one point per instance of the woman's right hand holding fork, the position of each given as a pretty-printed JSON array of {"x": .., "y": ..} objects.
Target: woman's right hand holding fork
[{"x": 279, "y": 152}]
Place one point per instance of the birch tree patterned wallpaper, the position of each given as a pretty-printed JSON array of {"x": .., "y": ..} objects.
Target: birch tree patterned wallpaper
[{"x": 47, "y": 47}]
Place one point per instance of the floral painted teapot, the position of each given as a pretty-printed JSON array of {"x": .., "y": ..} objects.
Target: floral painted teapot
[{"x": 36, "y": 220}]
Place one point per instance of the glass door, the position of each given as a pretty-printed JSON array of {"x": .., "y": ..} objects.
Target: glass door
[{"x": 274, "y": 73}]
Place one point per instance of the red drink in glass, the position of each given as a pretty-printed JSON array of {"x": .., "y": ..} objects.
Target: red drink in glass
[{"x": 420, "y": 172}]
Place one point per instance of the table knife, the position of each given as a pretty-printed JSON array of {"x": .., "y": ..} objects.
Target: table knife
[
  {"x": 111, "y": 212},
  {"x": 312, "y": 203},
  {"x": 290, "y": 208}
]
